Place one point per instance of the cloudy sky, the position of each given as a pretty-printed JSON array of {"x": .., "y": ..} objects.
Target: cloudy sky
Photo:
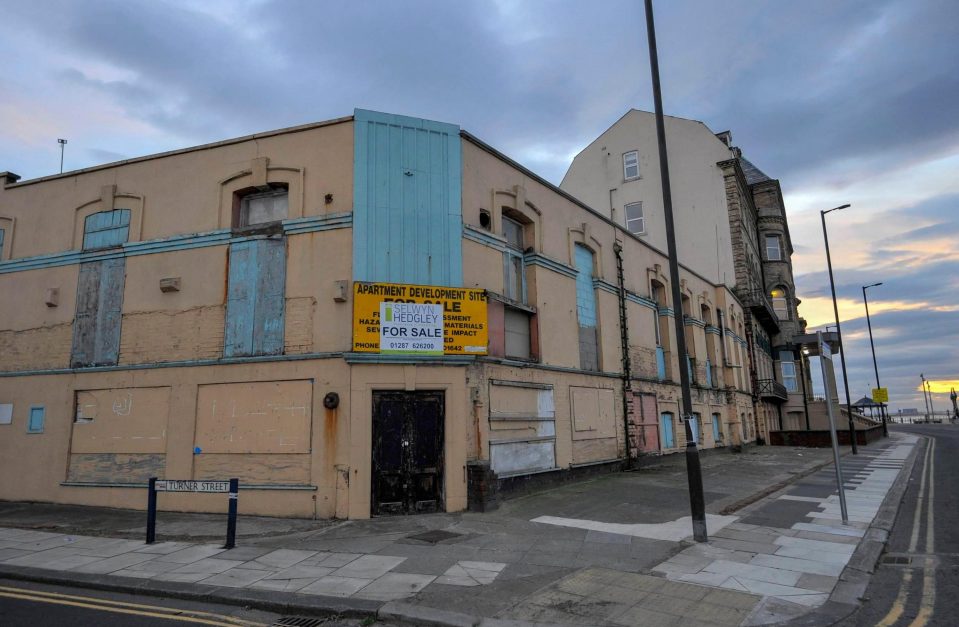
[{"x": 844, "y": 102}]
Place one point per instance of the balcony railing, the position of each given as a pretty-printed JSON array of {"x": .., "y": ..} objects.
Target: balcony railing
[
  {"x": 759, "y": 303},
  {"x": 770, "y": 388}
]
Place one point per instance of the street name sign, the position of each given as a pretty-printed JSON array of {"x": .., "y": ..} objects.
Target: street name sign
[{"x": 176, "y": 485}]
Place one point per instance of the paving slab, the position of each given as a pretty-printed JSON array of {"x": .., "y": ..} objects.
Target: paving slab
[{"x": 335, "y": 586}]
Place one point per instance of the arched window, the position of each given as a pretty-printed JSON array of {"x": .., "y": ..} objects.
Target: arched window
[
  {"x": 106, "y": 229},
  {"x": 780, "y": 302},
  {"x": 253, "y": 205}
]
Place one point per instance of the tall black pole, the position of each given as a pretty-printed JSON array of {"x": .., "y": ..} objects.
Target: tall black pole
[
  {"x": 925, "y": 398},
  {"x": 932, "y": 407},
  {"x": 842, "y": 351},
  {"x": 697, "y": 500},
  {"x": 875, "y": 366}
]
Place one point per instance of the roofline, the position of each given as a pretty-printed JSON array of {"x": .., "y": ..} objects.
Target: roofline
[
  {"x": 160, "y": 155},
  {"x": 539, "y": 179},
  {"x": 620, "y": 119}
]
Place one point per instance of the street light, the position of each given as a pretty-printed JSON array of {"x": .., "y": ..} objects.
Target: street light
[
  {"x": 882, "y": 407},
  {"x": 63, "y": 144},
  {"x": 694, "y": 472},
  {"x": 835, "y": 308},
  {"x": 925, "y": 398}
]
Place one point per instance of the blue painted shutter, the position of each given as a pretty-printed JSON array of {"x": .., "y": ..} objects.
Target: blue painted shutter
[
  {"x": 586, "y": 309},
  {"x": 106, "y": 350},
  {"x": 256, "y": 298},
  {"x": 106, "y": 229},
  {"x": 35, "y": 424},
  {"x": 716, "y": 433},
  {"x": 240, "y": 300},
  {"x": 407, "y": 215},
  {"x": 270, "y": 306},
  {"x": 96, "y": 326},
  {"x": 667, "y": 424}
]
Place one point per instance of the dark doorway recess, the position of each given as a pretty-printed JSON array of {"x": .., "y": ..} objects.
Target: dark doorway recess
[{"x": 407, "y": 452}]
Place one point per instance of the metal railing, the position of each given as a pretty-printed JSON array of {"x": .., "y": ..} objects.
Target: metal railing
[{"x": 770, "y": 388}]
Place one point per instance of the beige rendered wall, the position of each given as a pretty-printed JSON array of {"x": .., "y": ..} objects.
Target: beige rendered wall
[
  {"x": 699, "y": 201},
  {"x": 167, "y": 412},
  {"x": 185, "y": 192},
  {"x": 555, "y": 224}
]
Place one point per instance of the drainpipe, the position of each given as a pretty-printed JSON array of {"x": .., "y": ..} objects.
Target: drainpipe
[{"x": 624, "y": 343}]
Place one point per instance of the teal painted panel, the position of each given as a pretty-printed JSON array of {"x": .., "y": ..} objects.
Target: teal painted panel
[
  {"x": 407, "y": 223},
  {"x": 240, "y": 300},
  {"x": 717, "y": 436},
  {"x": 270, "y": 303},
  {"x": 106, "y": 349},
  {"x": 660, "y": 363},
  {"x": 37, "y": 417},
  {"x": 96, "y": 325},
  {"x": 256, "y": 298},
  {"x": 585, "y": 294},
  {"x": 666, "y": 430},
  {"x": 106, "y": 229}
]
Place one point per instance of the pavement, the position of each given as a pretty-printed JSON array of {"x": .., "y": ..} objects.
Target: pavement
[{"x": 610, "y": 551}]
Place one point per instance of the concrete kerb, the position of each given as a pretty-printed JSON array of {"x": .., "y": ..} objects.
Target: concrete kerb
[
  {"x": 270, "y": 601},
  {"x": 855, "y": 577}
]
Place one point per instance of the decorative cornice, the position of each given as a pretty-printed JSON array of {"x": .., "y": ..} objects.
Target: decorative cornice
[
  {"x": 220, "y": 237},
  {"x": 538, "y": 259}
]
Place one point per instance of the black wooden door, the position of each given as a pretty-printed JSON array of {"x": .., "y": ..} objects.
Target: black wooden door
[{"x": 407, "y": 452}]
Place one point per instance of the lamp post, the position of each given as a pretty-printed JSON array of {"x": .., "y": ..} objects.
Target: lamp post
[
  {"x": 63, "y": 144},
  {"x": 882, "y": 407},
  {"x": 932, "y": 407},
  {"x": 835, "y": 308},
  {"x": 925, "y": 398},
  {"x": 694, "y": 473}
]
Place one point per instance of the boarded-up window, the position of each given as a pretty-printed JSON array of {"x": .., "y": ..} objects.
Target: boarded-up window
[
  {"x": 262, "y": 207},
  {"x": 593, "y": 413},
  {"x": 2, "y": 233},
  {"x": 258, "y": 432},
  {"x": 517, "y": 334},
  {"x": 96, "y": 328},
  {"x": 106, "y": 229},
  {"x": 119, "y": 435},
  {"x": 586, "y": 309},
  {"x": 522, "y": 418},
  {"x": 256, "y": 298}
]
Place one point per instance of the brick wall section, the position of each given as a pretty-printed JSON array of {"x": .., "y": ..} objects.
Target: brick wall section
[
  {"x": 482, "y": 487},
  {"x": 158, "y": 336},
  {"x": 45, "y": 347},
  {"x": 298, "y": 337}
]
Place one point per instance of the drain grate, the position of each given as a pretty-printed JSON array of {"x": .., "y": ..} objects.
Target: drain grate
[
  {"x": 434, "y": 537},
  {"x": 297, "y": 621},
  {"x": 896, "y": 559}
]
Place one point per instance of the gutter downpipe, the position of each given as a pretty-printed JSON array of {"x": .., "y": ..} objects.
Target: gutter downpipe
[{"x": 624, "y": 345}]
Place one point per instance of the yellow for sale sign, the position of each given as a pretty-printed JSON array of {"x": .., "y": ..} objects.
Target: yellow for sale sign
[{"x": 391, "y": 318}]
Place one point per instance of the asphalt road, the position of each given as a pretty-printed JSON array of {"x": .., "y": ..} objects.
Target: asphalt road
[
  {"x": 917, "y": 581},
  {"x": 24, "y": 604}
]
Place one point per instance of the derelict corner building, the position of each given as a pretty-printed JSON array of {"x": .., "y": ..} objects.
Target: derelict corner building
[{"x": 219, "y": 312}]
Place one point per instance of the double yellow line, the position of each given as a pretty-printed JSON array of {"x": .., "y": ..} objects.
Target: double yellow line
[
  {"x": 928, "y": 601},
  {"x": 120, "y": 607}
]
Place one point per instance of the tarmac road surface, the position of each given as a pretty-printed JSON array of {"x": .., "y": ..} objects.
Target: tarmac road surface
[
  {"x": 917, "y": 581},
  {"x": 36, "y": 605}
]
